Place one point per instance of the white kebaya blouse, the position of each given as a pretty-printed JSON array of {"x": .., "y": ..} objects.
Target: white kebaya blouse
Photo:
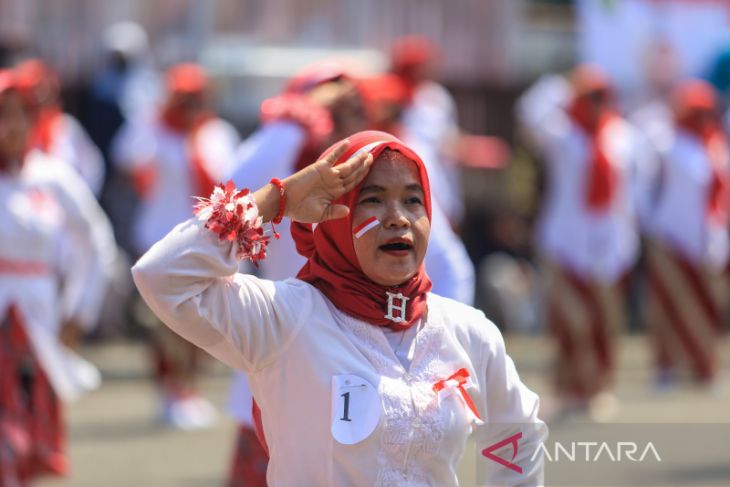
[{"x": 338, "y": 406}]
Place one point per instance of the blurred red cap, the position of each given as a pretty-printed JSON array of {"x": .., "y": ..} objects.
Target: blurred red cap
[
  {"x": 186, "y": 78},
  {"x": 387, "y": 87},
  {"x": 33, "y": 73},
  {"x": 410, "y": 51},
  {"x": 694, "y": 94},
  {"x": 589, "y": 78},
  {"x": 7, "y": 80}
]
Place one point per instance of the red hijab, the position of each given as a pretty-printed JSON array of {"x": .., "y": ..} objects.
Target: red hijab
[
  {"x": 332, "y": 266},
  {"x": 589, "y": 84},
  {"x": 7, "y": 84},
  {"x": 695, "y": 109},
  {"x": 191, "y": 80},
  {"x": 40, "y": 88},
  {"x": 409, "y": 56}
]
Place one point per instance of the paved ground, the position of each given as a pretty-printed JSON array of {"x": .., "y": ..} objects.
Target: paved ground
[{"x": 116, "y": 442}]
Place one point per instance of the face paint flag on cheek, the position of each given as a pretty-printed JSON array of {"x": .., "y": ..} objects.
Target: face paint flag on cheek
[
  {"x": 365, "y": 226},
  {"x": 332, "y": 265}
]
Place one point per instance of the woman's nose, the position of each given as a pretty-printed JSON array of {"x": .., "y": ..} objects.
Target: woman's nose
[{"x": 395, "y": 217}]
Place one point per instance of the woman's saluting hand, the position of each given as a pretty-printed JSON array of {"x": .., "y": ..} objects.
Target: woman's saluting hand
[{"x": 311, "y": 192}]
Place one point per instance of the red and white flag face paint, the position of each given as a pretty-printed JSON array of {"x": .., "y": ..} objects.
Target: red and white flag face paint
[{"x": 365, "y": 226}]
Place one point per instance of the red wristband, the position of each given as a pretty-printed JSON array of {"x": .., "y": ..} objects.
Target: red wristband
[
  {"x": 282, "y": 200},
  {"x": 282, "y": 205}
]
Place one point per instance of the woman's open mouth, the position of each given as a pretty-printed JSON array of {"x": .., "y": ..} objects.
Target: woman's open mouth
[{"x": 397, "y": 248}]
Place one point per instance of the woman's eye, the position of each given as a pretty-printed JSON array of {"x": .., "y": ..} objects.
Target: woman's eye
[
  {"x": 414, "y": 200},
  {"x": 369, "y": 199}
]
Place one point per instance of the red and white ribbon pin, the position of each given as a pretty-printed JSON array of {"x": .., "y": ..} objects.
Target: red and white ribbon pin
[
  {"x": 365, "y": 226},
  {"x": 457, "y": 383}
]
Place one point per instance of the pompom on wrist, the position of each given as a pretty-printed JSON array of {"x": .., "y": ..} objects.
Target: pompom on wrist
[{"x": 233, "y": 216}]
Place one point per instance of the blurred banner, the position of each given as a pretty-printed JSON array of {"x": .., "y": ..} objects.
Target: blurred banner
[{"x": 622, "y": 36}]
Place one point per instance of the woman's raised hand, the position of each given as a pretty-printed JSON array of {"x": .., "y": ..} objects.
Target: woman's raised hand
[{"x": 311, "y": 192}]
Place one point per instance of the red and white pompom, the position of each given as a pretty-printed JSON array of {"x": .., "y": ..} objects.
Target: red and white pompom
[{"x": 233, "y": 216}]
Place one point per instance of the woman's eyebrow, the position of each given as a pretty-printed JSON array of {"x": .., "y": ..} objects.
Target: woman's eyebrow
[
  {"x": 372, "y": 188},
  {"x": 415, "y": 187}
]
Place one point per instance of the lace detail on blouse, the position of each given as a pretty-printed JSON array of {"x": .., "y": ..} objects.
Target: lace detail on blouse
[{"x": 413, "y": 425}]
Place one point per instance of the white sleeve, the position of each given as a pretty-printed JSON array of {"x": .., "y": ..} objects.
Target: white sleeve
[
  {"x": 270, "y": 151},
  {"x": 218, "y": 143},
  {"x": 189, "y": 280},
  {"x": 540, "y": 111},
  {"x": 511, "y": 408},
  {"x": 87, "y": 158},
  {"x": 93, "y": 248},
  {"x": 447, "y": 263}
]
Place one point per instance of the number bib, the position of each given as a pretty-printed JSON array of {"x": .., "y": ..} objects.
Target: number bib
[{"x": 355, "y": 408}]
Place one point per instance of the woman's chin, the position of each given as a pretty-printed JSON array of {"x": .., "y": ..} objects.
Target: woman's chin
[{"x": 394, "y": 279}]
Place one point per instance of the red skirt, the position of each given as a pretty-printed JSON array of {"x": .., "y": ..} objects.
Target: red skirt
[
  {"x": 584, "y": 318},
  {"x": 685, "y": 312},
  {"x": 248, "y": 466},
  {"x": 32, "y": 436}
]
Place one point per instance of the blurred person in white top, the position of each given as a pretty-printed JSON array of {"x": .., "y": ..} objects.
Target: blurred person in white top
[
  {"x": 587, "y": 230},
  {"x": 56, "y": 248},
  {"x": 171, "y": 156},
  {"x": 54, "y": 132},
  {"x": 688, "y": 244}
]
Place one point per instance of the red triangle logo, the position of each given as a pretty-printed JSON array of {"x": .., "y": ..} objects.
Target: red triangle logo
[{"x": 487, "y": 452}]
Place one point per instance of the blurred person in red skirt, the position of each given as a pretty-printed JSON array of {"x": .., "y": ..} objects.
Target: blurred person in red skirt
[
  {"x": 173, "y": 155},
  {"x": 688, "y": 244},
  {"x": 587, "y": 231},
  {"x": 55, "y": 241},
  {"x": 57, "y": 133}
]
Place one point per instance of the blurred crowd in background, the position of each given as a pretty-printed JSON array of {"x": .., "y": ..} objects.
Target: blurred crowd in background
[{"x": 577, "y": 149}]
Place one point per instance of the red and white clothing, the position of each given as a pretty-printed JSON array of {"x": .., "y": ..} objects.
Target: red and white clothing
[
  {"x": 274, "y": 149},
  {"x": 597, "y": 245},
  {"x": 89, "y": 249},
  {"x": 55, "y": 252},
  {"x": 165, "y": 165},
  {"x": 298, "y": 348},
  {"x": 61, "y": 136},
  {"x": 680, "y": 215},
  {"x": 688, "y": 255},
  {"x": 587, "y": 231}
]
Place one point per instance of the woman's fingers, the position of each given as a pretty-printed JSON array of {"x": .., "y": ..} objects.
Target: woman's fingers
[
  {"x": 332, "y": 157},
  {"x": 351, "y": 181},
  {"x": 352, "y": 164},
  {"x": 333, "y": 212}
]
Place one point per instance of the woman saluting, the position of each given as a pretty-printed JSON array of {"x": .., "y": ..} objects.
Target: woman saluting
[{"x": 363, "y": 376}]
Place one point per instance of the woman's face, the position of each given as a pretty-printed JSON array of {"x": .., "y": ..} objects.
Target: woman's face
[
  {"x": 13, "y": 127},
  {"x": 391, "y": 252}
]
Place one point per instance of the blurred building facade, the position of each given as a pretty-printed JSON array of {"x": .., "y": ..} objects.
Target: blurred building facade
[{"x": 493, "y": 44}]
